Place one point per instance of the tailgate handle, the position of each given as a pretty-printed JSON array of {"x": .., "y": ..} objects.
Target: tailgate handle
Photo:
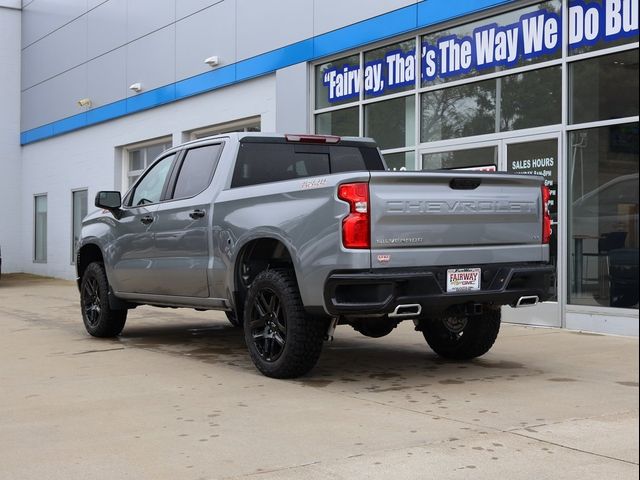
[{"x": 464, "y": 183}]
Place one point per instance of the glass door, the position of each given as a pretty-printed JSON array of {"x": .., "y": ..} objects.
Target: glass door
[
  {"x": 467, "y": 156},
  {"x": 539, "y": 155},
  {"x": 532, "y": 154}
]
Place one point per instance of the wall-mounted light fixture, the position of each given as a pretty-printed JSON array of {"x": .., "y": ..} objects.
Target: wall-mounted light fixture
[
  {"x": 136, "y": 87},
  {"x": 212, "y": 61},
  {"x": 84, "y": 102}
]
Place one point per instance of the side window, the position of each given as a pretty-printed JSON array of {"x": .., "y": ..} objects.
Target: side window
[
  {"x": 149, "y": 190},
  {"x": 196, "y": 170},
  {"x": 273, "y": 162}
]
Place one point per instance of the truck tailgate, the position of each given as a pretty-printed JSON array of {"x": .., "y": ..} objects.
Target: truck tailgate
[{"x": 454, "y": 218}]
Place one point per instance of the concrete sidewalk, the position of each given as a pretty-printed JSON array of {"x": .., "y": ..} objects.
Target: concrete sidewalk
[{"x": 176, "y": 397}]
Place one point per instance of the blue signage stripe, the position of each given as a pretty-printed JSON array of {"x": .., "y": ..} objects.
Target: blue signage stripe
[
  {"x": 403, "y": 20},
  {"x": 272, "y": 61},
  {"x": 206, "y": 81},
  {"x": 432, "y": 12},
  {"x": 152, "y": 98},
  {"x": 70, "y": 123},
  {"x": 107, "y": 112},
  {"x": 368, "y": 31}
]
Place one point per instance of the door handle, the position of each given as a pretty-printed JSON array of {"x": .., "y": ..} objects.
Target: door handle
[
  {"x": 197, "y": 214},
  {"x": 147, "y": 219}
]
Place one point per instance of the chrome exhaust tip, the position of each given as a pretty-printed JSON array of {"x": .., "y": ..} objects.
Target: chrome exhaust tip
[
  {"x": 408, "y": 310},
  {"x": 527, "y": 301}
]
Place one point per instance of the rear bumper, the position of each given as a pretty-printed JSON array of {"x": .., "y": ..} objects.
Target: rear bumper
[{"x": 380, "y": 291}]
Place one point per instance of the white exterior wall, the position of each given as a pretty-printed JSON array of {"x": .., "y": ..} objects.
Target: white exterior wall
[
  {"x": 90, "y": 158},
  {"x": 10, "y": 170}
]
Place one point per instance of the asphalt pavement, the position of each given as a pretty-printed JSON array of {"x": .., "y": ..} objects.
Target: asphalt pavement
[{"x": 176, "y": 397}]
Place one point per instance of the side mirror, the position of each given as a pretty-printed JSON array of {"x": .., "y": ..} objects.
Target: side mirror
[{"x": 108, "y": 200}]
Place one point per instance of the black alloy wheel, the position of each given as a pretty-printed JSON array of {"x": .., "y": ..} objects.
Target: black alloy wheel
[
  {"x": 100, "y": 320},
  {"x": 283, "y": 340},
  {"x": 91, "y": 302},
  {"x": 268, "y": 325}
]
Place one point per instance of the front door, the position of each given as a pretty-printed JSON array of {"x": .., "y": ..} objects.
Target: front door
[{"x": 133, "y": 248}]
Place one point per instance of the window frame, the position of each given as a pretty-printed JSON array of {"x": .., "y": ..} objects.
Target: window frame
[
  {"x": 35, "y": 228},
  {"x": 240, "y": 125},
  {"x": 127, "y": 173},
  {"x": 177, "y": 168},
  {"x": 73, "y": 246}
]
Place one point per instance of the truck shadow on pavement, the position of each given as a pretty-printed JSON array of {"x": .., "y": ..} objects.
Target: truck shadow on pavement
[{"x": 373, "y": 364}]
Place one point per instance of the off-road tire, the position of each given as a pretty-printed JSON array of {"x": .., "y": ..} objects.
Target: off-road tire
[
  {"x": 474, "y": 340},
  {"x": 99, "y": 318},
  {"x": 302, "y": 334}
]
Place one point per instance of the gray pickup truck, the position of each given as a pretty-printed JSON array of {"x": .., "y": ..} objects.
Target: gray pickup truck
[{"x": 292, "y": 235}]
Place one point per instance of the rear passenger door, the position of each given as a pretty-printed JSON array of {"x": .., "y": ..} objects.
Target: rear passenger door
[{"x": 182, "y": 225}]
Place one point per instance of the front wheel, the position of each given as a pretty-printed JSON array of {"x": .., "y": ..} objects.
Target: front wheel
[
  {"x": 99, "y": 318},
  {"x": 462, "y": 338},
  {"x": 283, "y": 341}
]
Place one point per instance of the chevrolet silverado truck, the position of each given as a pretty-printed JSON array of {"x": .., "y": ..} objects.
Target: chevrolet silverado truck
[{"x": 292, "y": 235}]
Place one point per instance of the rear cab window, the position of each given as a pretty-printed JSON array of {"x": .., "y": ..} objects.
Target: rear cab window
[{"x": 262, "y": 160}]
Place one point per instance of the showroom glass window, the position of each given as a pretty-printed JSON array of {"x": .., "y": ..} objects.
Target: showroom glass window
[
  {"x": 399, "y": 93},
  {"x": 602, "y": 157},
  {"x": 139, "y": 158},
  {"x": 79, "y": 206},
  {"x": 575, "y": 103},
  {"x": 40, "y": 228}
]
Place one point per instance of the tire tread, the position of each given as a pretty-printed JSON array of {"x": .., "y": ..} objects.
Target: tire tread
[
  {"x": 479, "y": 336},
  {"x": 305, "y": 334},
  {"x": 113, "y": 322}
]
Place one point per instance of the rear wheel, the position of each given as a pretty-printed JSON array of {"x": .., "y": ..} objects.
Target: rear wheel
[
  {"x": 99, "y": 318},
  {"x": 282, "y": 340},
  {"x": 462, "y": 338}
]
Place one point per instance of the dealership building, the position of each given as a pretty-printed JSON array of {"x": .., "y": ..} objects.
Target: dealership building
[{"x": 91, "y": 91}]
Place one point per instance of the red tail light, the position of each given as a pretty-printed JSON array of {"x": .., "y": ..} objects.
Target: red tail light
[
  {"x": 546, "y": 216},
  {"x": 355, "y": 227}
]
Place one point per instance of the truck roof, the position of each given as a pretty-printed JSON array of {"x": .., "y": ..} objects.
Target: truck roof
[{"x": 240, "y": 136}]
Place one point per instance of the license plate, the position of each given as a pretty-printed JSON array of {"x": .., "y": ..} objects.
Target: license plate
[{"x": 463, "y": 280}]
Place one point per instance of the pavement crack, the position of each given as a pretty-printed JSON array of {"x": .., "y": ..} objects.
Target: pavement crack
[
  {"x": 98, "y": 351},
  {"x": 275, "y": 470},
  {"x": 565, "y": 420},
  {"x": 548, "y": 442}
]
